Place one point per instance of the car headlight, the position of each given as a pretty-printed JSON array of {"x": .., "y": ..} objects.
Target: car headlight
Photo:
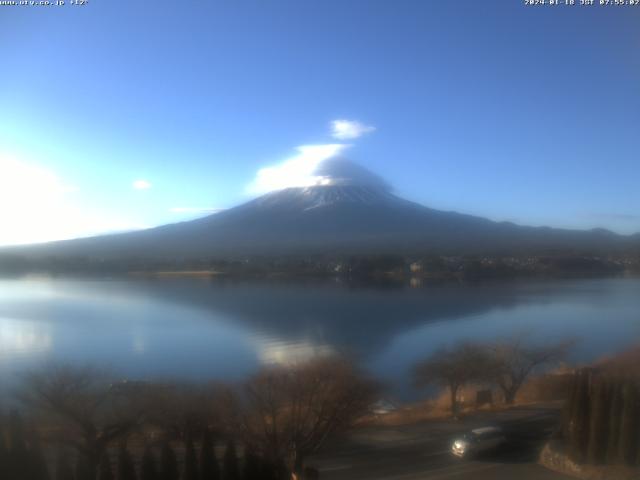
[{"x": 460, "y": 445}]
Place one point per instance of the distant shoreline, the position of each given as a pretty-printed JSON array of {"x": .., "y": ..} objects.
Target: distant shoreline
[
  {"x": 413, "y": 270},
  {"x": 177, "y": 273},
  {"x": 275, "y": 278}
]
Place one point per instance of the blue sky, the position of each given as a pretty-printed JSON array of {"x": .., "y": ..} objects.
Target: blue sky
[{"x": 528, "y": 114}]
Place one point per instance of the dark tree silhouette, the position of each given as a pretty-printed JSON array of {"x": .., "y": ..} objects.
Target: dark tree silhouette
[
  {"x": 311, "y": 473},
  {"x": 599, "y": 424},
  {"x": 104, "y": 469},
  {"x": 18, "y": 462},
  {"x": 275, "y": 470},
  {"x": 578, "y": 428},
  {"x": 629, "y": 428},
  {"x": 126, "y": 467},
  {"x": 168, "y": 463},
  {"x": 21, "y": 458},
  {"x": 182, "y": 410},
  {"x": 63, "y": 467},
  {"x": 514, "y": 359},
  {"x": 453, "y": 368},
  {"x": 4, "y": 454},
  {"x": 230, "y": 470},
  {"x": 614, "y": 418},
  {"x": 288, "y": 412},
  {"x": 209, "y": 468},
  {"x": 253, "y": 466},
  {"x": 90, "y": 412},
  {"x": 85, "y": 469},
  {"x": 190, "y": 460},
  {"x": 38, "y": 469},
  {"x": 148, "y": 469},
  {"x": 602, "y": 419}
]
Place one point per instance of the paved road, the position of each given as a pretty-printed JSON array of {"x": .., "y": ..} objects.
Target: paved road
[{"x": 421, "y": 451}]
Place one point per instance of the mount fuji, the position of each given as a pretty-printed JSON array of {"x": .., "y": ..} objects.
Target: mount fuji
[{"x": 347, "y": 209}]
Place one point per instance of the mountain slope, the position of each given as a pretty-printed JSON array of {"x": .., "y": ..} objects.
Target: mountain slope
[{"x": 351, "y": 211}]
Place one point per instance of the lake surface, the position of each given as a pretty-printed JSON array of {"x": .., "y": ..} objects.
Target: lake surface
[{"x": 201, "y": 329}]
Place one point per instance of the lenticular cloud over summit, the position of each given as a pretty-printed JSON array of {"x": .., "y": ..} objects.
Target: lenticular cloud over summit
[
  {"x": 306, "y": 168},
  {"x": 340, "y": 171},
  {"x": 316, "y": 165},
  {"x": 297, "y": 171}
]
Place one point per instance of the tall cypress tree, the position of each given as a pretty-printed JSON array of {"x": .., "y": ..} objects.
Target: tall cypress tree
[
  {"x": 126, "y": 466},
  {"x": 38, "y": 464},
  {"x": 168, "y": 463},
  {"x": 569, "y": 406},
  {"x": 615, "y": 420},
  {"x": 628, "y": 443},
  {"x": 253, "y": 468},
  {"x": 579, "y": 426},
  {"x": 104, "y": 469},
  {"x": 63, "y": 467},
  {"x": 599, "y": 424},
  {"x": 4, "y": 455},
  {"x": 275, "y": 470},
  {"x": 18, "y": 464},
  {"x": 148, "y": 468},
  {"x": 209, "y": 468},
  {"x": 190, "y": 460},
  {"x": 83, "y": 468},
  {"x": 230, "y": 470}
]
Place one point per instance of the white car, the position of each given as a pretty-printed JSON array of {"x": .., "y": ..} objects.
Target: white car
[{"x": 477, "y": 441}]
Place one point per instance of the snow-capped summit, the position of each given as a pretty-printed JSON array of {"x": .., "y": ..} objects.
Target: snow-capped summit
[
  {"x": 306, "y": 198},
  {"x": 338, "y": 181}
]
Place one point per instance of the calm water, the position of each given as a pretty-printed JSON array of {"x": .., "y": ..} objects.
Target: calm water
[{"x": 209, "y": 329}]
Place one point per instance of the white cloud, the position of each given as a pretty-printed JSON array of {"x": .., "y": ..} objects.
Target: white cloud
[
  {"x": 349, "y": 129},
  {"x": 37, "y": 206},
  {"x": 296, "y": 171},
  {"x": 141, "y": 185}
]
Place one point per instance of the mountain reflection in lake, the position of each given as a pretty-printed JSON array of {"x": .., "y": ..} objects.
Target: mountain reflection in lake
[{"x": 197, "y": 329}]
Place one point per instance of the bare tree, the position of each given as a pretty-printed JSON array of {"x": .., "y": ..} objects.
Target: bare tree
[
  {"x": 453, "y": 368},
  {"x": 83, "y": 408},
  {"x": 289, "y": 411},
  {"x": 515, "y": 358},
  {"x": 184, "y": 410}
]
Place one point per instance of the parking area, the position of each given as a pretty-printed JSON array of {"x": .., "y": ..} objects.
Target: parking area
[{"x": 421, "y": 451}]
